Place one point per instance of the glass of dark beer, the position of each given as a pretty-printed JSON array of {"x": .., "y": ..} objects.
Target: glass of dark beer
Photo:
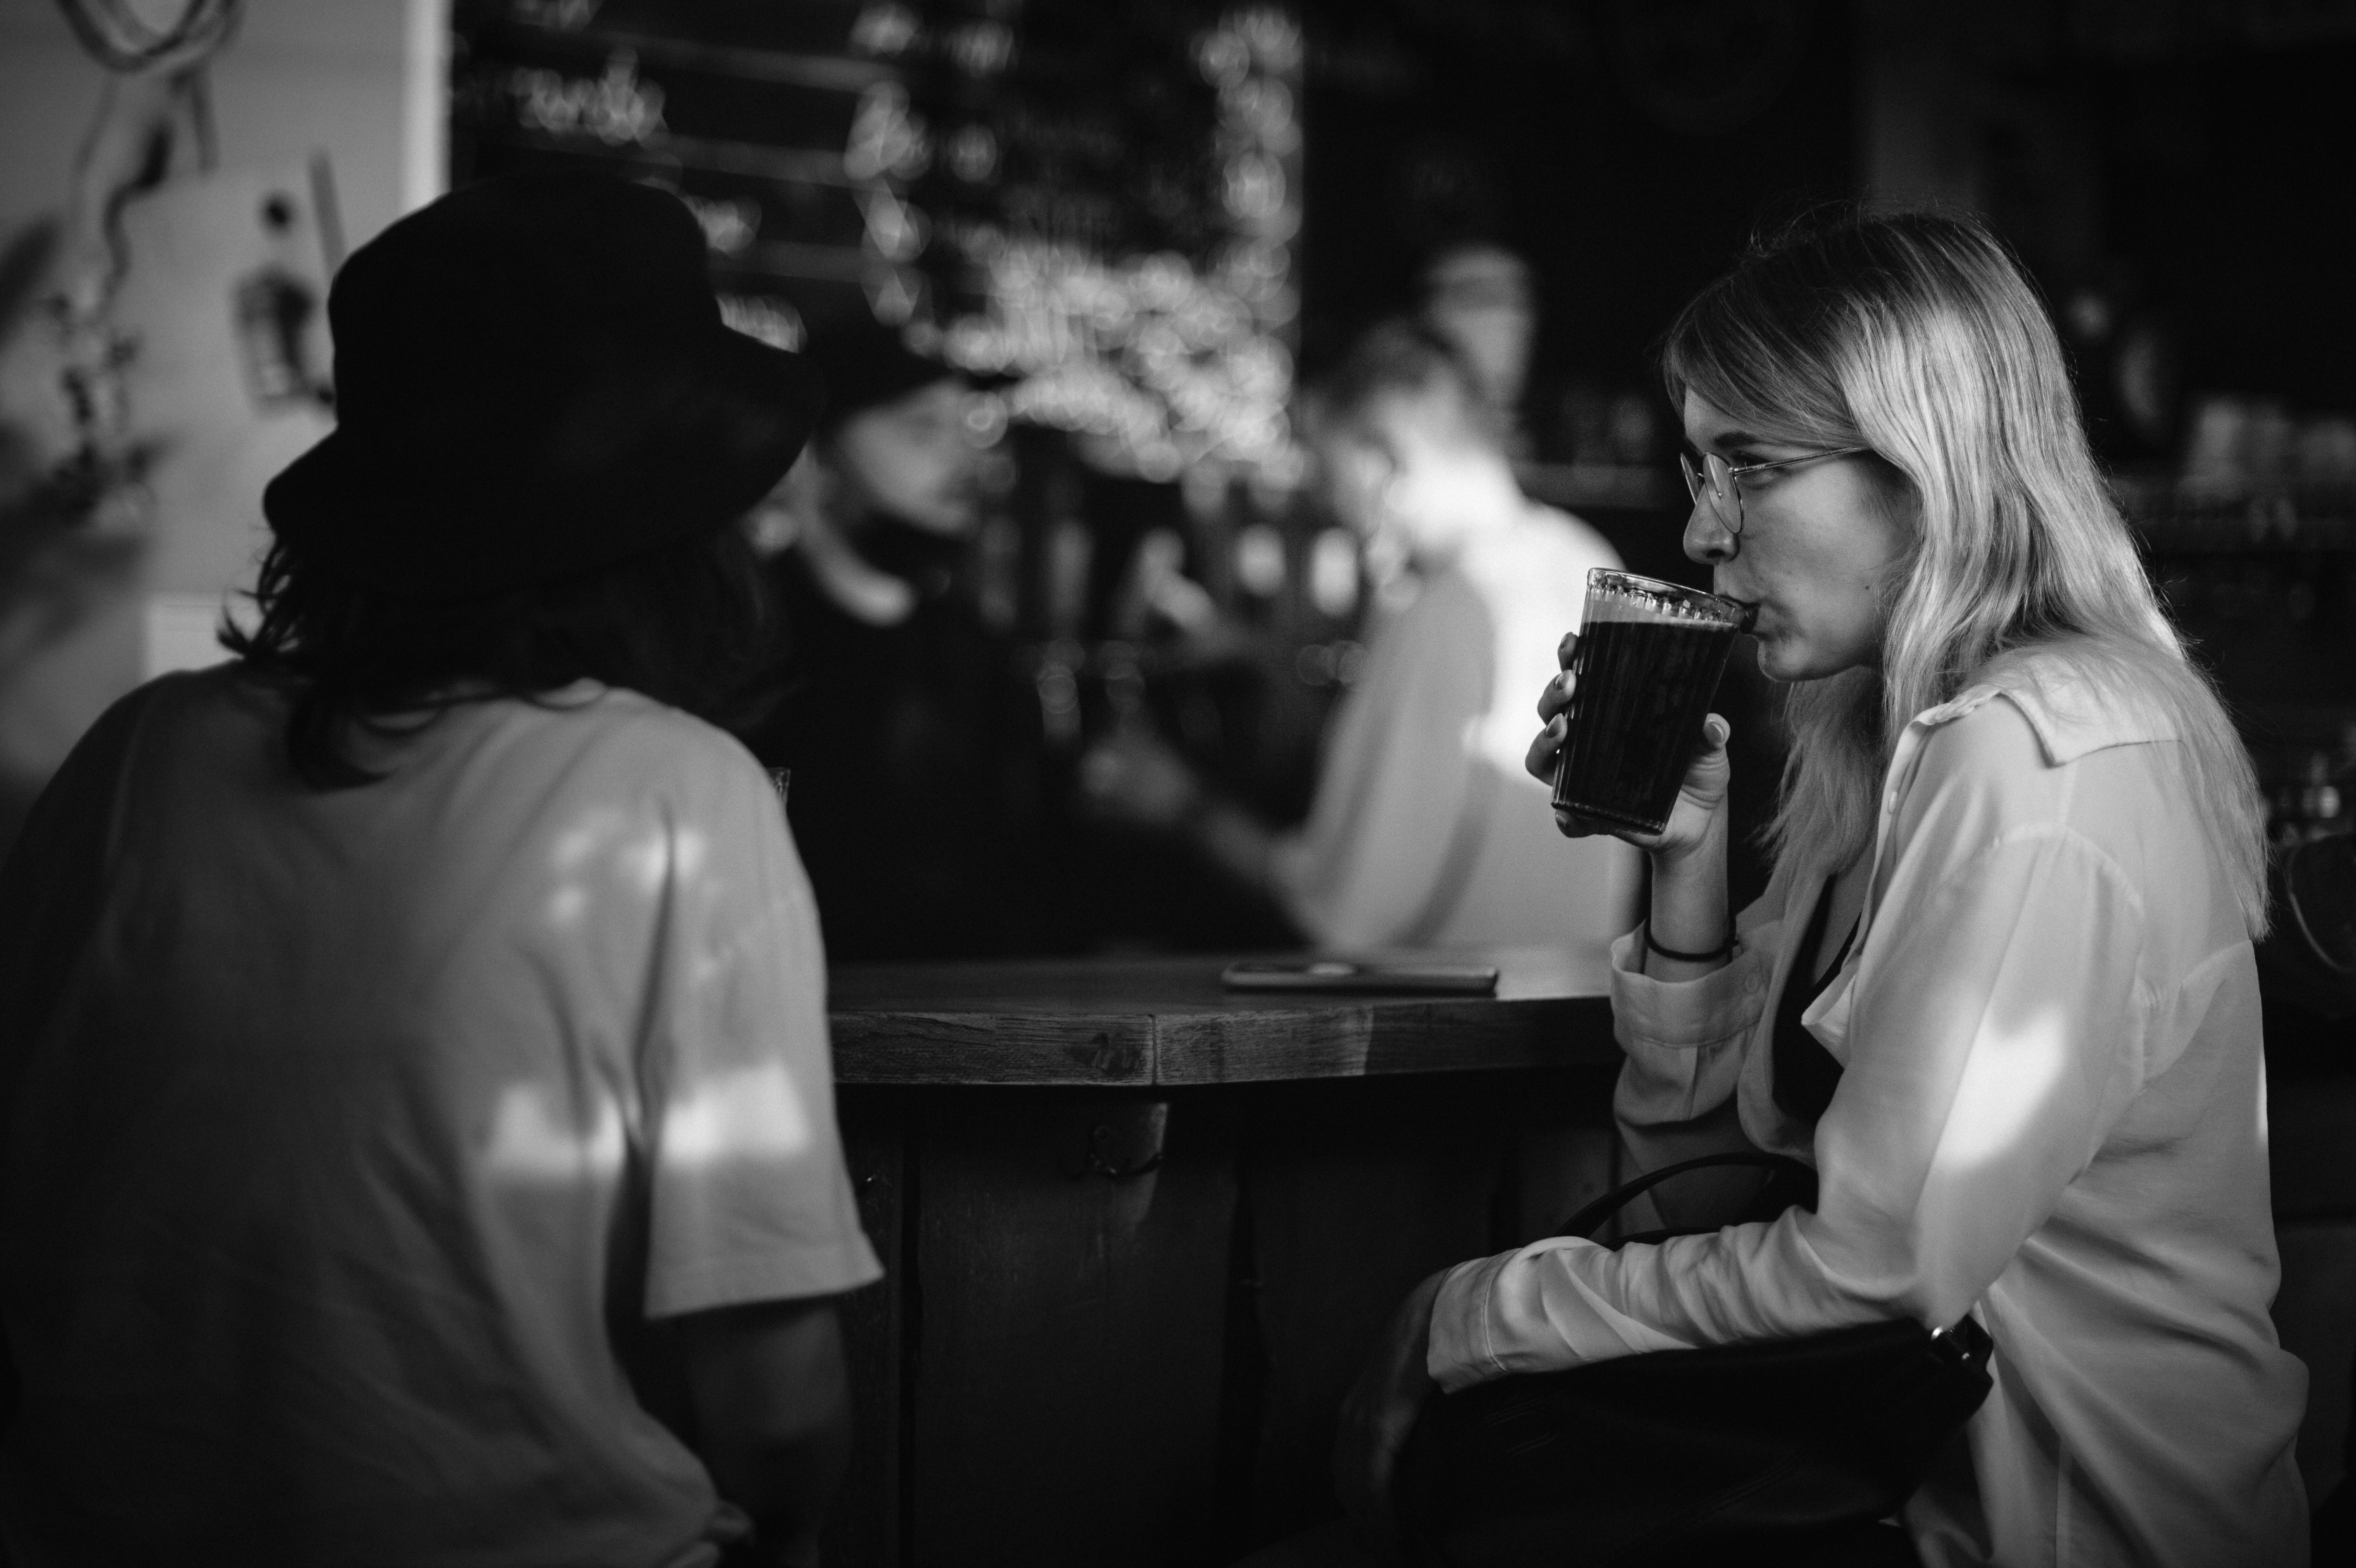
[{"x": 1648, "y": 661}]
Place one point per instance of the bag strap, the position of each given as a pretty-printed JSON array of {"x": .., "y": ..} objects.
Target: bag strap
[{"x": 1587, "y": 1220}]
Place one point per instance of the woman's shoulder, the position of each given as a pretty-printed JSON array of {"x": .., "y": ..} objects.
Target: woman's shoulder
[
  {"x": 2053, "y": 704},
  {"x": 1983, "y": 740},
  {"x": 2049, "y": 742},
  {"x": 2083, "y": 755}
]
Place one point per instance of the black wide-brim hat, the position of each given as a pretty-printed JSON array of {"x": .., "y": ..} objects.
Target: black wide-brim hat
[
  {"x": 532, "y": 381},
  {"x": 866, "y": 365}
]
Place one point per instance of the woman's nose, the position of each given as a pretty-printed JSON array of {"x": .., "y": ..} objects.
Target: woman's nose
[{"x": 1707, "y": 538}]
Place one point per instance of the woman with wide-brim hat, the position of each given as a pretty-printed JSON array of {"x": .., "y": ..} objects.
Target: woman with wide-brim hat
[{"x": 412, "y": 1033}]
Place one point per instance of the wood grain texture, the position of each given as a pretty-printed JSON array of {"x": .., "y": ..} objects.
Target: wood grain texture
[
  {"x": 864, "y": 1528},
  {"x": 1382, "y": 1039},
  {"x": 1357, "y": 1193},
  {"x": 1084, "y": 1357},
  {"x": 1168, "y": 1021},
  {"x": 983, "y": 1048},
  {"x": 1071, "y": 1330}
]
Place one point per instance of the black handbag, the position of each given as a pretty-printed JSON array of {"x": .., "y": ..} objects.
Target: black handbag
[{"x": 1733, "y": 1453}]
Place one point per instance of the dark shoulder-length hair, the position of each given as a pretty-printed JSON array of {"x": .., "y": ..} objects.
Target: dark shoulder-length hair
[{"x": 690, "y": 626}]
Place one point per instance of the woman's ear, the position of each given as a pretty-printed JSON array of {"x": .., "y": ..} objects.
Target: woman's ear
[{"x": 1901, "y": 499}]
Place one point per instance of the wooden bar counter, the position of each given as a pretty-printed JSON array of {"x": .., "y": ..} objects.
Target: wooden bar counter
[{"x": 1142, "y": 1231}]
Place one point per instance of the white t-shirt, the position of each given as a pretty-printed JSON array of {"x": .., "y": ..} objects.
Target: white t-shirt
[
  {"x": 2053, "y": 1115},
  {"x": 1426, "y": 830},
  {"x": 342, "y": 1126}
]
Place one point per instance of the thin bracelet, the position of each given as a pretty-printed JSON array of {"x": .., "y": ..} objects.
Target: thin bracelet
[{"x": 1726, "y": 950}]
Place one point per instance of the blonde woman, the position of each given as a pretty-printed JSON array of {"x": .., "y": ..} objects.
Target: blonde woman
[{"x": 2000, "y": 989}]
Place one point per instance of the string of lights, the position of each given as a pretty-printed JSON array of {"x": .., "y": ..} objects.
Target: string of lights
[{"x": 1162, "y": 362}]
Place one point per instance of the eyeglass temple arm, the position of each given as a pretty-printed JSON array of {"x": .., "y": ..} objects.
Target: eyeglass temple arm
[{"x": 1787, "y": 461}]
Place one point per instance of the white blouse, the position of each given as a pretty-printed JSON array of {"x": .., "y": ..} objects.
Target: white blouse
[{"x": 2053, "y": 1115}]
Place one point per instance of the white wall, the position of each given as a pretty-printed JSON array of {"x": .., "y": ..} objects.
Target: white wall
[
  {"x": 301, "y": 76},
  {"x": 357, "y": 81}
]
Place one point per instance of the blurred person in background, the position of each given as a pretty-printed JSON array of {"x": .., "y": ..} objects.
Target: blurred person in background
[
  {"x": 1478, "y": 299},
  {"x": 413, "y": 1052},
  {"x": 914, "y": 755},
  {"x": 1424, "y": 831}
]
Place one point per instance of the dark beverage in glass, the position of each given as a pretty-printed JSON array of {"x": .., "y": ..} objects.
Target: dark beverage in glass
[{"x": 1648, "y": 661}]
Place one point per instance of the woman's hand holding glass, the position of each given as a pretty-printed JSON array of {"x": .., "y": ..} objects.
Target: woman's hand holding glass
[
  {"x": 1701, "y": 799},
  {"x": 1688, "y": 855}
]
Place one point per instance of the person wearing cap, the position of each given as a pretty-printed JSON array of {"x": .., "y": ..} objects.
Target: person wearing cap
[
  {"x": 412, "y": 1044},
  {"x": 912, "y": 753}
]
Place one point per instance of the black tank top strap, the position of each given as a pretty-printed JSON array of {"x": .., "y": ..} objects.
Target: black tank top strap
[{"x": 1805, "y": 1074}]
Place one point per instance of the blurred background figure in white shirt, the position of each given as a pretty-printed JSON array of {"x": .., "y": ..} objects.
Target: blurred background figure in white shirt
[{"x": 1424, "y": 832}]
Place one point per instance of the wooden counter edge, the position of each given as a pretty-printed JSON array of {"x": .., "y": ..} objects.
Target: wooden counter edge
[
  {"x": 1384, "y": 1038},
  {"x": 1370, "y": 1039},
  {"x": 914, "y": 1048}
]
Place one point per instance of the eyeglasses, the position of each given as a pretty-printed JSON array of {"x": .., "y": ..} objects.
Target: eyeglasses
[{"x": 1718, "y": 478}]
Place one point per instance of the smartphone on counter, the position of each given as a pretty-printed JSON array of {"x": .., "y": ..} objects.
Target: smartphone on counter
[{"x": 1408, "y": 976}]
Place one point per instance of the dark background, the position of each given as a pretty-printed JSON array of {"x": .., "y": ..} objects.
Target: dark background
[
  {"x": 1627, "y": 168},
  {"x": 2173, "y": 173}
]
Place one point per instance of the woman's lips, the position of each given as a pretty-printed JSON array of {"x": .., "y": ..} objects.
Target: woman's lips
[{"x": 1750, "y": 612}]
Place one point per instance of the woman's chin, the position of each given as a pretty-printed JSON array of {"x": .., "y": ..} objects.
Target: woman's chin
[
  {"x": 1784, "y": 662},
  {"x": 1772, "y": 664}
]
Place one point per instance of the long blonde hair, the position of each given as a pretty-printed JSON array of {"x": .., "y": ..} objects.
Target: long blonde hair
[{"x": 1917, "y": 336}]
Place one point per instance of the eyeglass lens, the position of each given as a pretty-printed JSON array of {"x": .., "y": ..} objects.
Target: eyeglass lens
[{"x": 1715, "y": 477}]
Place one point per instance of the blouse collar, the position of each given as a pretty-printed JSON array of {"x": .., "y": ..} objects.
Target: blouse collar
[{"x": 2071, "y": 714}]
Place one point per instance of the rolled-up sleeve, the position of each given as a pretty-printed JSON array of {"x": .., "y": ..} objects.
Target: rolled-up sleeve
[
  {"x": 1682, "y": 1039},
  {"x": 1994, "y": 1037}
]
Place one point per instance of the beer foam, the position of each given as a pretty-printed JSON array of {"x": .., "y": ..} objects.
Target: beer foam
[{"x": 1626, "y": 602}]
